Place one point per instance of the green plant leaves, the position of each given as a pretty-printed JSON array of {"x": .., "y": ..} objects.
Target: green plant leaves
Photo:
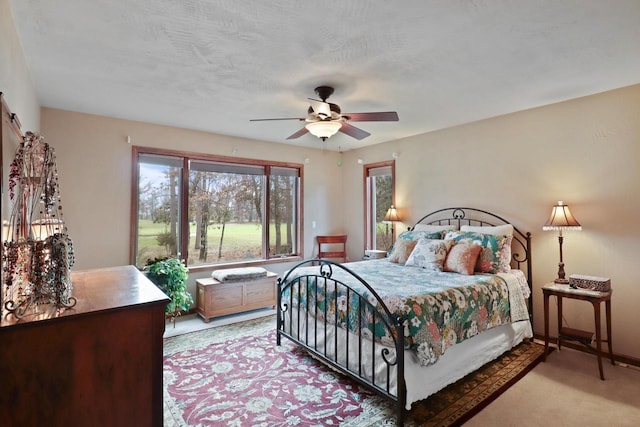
[{"x": 170, "y": 275}]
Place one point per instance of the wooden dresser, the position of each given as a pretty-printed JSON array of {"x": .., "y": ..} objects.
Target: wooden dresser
[{"x": 97, "y": 364}]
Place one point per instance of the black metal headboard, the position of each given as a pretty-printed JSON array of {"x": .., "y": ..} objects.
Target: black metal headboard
[{"x": 520, "y": 246}]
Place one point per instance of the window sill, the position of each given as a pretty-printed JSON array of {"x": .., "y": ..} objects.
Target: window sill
[{"x": 239, "y": 264}]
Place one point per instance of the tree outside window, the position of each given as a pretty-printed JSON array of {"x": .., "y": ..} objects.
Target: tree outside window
[
  {"x": 222, "y": 218},
  {"x": 379, "y": 196},
  {"x": 158, "y": 208}
]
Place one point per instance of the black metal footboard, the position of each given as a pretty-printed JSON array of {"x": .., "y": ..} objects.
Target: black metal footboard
[{"x": 332, "y": 320}]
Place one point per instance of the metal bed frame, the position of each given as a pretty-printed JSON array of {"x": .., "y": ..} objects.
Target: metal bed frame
[{"x": 291, "y": 287}]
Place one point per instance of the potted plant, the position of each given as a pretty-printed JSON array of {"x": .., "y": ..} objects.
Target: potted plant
[{"x": 170, "y": 275}]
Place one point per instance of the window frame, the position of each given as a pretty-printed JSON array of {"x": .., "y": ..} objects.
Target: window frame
[
  {"x": 368, "y": 208},
  {"x": 187, "y": 157}
]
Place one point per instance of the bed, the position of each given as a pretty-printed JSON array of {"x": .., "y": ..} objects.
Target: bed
[{"x": 401, "y": 326}]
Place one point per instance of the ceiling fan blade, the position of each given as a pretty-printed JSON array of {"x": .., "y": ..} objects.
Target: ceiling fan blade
[
  {"x": 382, "y": 116},
  {"x": 298, "y": 134},
  {"x": 353, "y": 131},
  {"x": 281, "y": 118}
]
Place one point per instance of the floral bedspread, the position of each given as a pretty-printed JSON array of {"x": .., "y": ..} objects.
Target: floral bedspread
[{"x": 441, "y": 309}]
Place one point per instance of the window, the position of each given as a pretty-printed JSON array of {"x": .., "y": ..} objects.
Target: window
[
  {"x": 158, "y": 204},
  {"x": 210, "y": 210},
  {"x": 379, "y": 196}
]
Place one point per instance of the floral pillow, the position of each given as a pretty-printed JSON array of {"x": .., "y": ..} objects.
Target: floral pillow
[
  {"x": 414, "y": 236},
  {"x": 401, "y": 250},
  {"x": 462, "y": 258},
  {"x": 495, "y": 256},
  {"x": 430, "y": 254}
]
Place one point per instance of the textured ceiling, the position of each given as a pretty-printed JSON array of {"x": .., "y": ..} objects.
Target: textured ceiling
[{"x": 212, "y": 65}]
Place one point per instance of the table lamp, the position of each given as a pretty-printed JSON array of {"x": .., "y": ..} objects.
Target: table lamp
[
  {"x": 561, "y": 219},
  {"x": 389, "y": 218}
]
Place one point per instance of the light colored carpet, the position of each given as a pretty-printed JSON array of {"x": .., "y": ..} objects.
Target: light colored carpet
[{"x": 566, "y": 391}]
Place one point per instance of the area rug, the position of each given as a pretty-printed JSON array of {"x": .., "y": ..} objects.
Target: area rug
[{"x": 235, "y": 375}]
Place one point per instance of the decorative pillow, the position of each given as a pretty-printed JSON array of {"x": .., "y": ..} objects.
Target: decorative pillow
[
  {"x": 496, "y": 250},
  {"x": 433, "y": 227},
  {"x": 497, "y": 230},
  {"x": 242, "y": 273},
  {"x": 415, "y": 236},
  {"x": 401, "y": 250},
  {"x": 462, "y": 258},
  {"x": 430, "y": 254}
]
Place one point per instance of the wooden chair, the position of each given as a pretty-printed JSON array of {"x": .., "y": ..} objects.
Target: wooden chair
[{"x": 332, "y": 247}]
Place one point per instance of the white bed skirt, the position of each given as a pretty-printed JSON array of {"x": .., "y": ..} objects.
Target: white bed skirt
[{"x": 421, "y": 381}]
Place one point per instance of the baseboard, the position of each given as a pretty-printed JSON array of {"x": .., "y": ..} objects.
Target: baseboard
[{"x": 619, "y": 358}]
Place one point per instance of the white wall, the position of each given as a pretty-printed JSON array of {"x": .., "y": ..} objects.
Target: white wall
[{"x": 585, "y": 152}]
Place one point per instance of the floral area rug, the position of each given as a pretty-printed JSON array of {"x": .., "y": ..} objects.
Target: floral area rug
[{"x": 235, "y": 375}]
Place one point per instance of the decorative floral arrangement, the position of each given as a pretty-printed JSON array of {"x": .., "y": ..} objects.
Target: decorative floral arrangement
[{"x": 38, "y": 252}]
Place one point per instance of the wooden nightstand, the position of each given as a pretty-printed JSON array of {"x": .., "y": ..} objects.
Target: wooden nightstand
[{"x": 564, "y": 333}]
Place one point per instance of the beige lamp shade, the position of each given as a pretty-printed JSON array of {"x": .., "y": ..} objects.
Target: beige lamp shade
[
  {"x": 561, "y": 219},
  {"x": 391, "y": 216}
]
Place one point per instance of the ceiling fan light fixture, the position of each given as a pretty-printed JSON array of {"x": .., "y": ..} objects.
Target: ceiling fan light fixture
[
  {"x": 323, "y": 129},
  {"x": 324, "y": 118}
]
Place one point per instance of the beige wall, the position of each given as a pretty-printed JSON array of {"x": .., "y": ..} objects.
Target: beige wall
[
  {"x": 15, "y": 83},
  {"x": 94, "y": 165},
  {"x": 585, "y": 152}
]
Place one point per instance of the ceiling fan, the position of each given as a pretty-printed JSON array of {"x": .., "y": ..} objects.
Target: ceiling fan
[{"x": 325, "y": 119}]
